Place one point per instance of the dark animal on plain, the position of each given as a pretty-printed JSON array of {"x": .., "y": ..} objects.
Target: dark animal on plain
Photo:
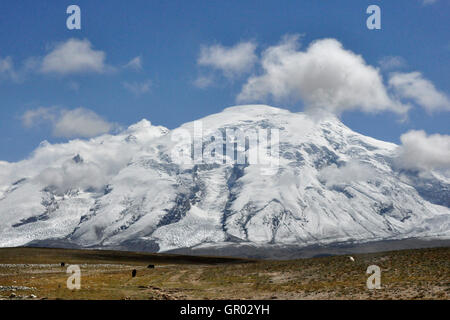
[
  {"x": 133, "y": 273},
  {"x": 62, "y": 264},
  {"x": 151, "y": 266}
]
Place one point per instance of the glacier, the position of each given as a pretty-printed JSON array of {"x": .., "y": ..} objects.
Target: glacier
[{"x": 128, "y": 191}]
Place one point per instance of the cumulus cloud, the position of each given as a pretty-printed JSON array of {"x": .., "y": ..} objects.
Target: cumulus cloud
[
  {"x": 352, "y": 171},
  {"x": 81, "y": 164},
  {"x": 74, "y": 56},
  {"x": 78, "y": 164},
  {"x": 135, "y": 64},
  {"x": 70, "y": 57},
  {"x": 82, "y": 123},
  {"x": 16, "y": 74},
  {"x": 420, "y": 90},
  {"x": 324, "y": 76},
  {"x": 36, "y": 116},
  {"x": 420, "y": 151},
  {"x": 232, "y": 61},
  {"x": 7, "y": 69},
  {"x": 391, "y": 62},
  {"x": 6, "y": 65},
  {"x": 74, "y": 175},
  {"x": 76, "y": 123},
  {"x": 138, "y": 88}
]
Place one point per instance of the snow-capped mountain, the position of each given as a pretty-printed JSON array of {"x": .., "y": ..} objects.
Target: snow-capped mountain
[{"x": 318, "y": 182}]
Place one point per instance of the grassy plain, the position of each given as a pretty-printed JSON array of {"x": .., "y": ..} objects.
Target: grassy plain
[{"x": 36, "y": 273}]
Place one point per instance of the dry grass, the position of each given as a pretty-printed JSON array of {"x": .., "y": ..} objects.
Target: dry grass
[{"x": 406, "y": 274}]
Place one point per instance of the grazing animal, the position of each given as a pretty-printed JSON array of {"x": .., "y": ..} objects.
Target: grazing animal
[
  {"x": 151, "y": 266},
  {"x": 133, "y": 273},
  {"x": 352, "y": 259},
  {"x": 62, "y": 264}
]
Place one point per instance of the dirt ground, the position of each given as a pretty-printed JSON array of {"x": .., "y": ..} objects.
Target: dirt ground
[{"x": 34, "y": 273}]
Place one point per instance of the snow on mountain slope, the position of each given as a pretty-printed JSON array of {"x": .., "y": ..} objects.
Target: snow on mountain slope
[{"x": 131, "y": 190}]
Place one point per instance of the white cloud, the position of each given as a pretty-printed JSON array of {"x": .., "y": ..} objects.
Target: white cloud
[
  {"x": 36, "y": 116},
  {"x": 77, "y": 163},
  {"x": 74, "y": 56},
  {"x": 76, "y": 123},
  {"x": 324, "y": 76},
  {"x": 18, "y": 74},
  {"x": 80, "y": 163},
  {"x": 422, "y": 91},
  {"x": 392, "y": 62},
  {"x": 82, "y": 123},
  {"x": 352, "y": 171},
  {"x": 428, "y": 2},
  {"x": 69, "y": 57},
  {"x": 7, "y": 69},
  {"x": 135, "y": 64},
  {"x": 203, "y": 81},
  {"x": 6, "y": 65},
  {"x": 72, "y": 175},
  {"x": 424, "y": 152},
  {"x": 232, "y": 61},
  {"x": 138, "y": 88}
]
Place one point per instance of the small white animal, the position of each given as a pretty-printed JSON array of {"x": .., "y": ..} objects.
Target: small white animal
[{"x": 352, "y": 259}]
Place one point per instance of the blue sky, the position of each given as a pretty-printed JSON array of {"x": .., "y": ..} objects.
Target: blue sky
[{"x": 151, "y": 52}]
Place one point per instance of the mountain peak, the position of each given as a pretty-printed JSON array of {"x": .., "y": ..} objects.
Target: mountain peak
[
  {"x": 144, "y": 131},
  {"x": 255, "y": 109},
  {"x": 141, "y": 125},
  {"x": 330, "y": 184}
]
